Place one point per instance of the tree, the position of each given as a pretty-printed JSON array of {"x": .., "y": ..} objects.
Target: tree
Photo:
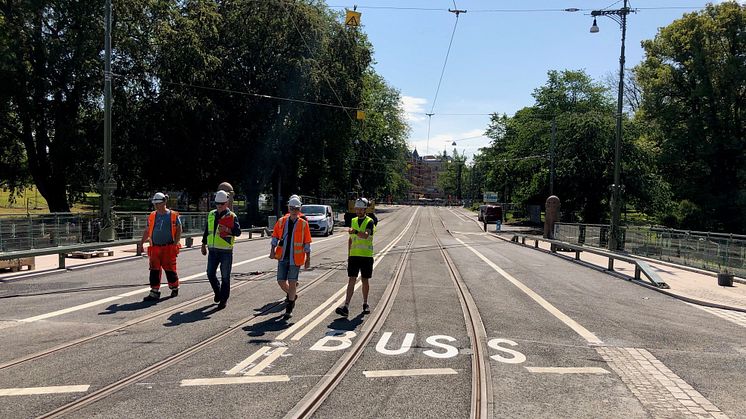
[{"x": 694, "y": 83}]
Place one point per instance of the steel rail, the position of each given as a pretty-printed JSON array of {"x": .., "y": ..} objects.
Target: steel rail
[
  {"x": 481, "y": 381},
  {"x": 313, "y": 399}
]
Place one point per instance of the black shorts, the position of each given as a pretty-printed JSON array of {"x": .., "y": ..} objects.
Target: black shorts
[{"x": 359, "y": 264}]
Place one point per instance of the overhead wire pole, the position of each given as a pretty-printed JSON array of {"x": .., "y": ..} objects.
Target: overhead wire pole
[
  {"x": 619, "y": 16},
  {"x": 107, "y": 232}
]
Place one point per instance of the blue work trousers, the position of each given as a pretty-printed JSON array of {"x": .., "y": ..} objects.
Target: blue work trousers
[{"x": 225, "y": 260}]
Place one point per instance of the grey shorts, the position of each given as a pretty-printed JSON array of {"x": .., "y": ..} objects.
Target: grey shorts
[{"x": 286, "y": 271}]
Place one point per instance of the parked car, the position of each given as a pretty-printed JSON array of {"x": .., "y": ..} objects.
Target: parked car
[
  {"x": 320, "y": 218},
  {"x": 490, "y": 213}
]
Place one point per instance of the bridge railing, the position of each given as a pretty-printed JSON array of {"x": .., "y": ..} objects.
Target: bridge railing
[{"x": 715, "y": 252}]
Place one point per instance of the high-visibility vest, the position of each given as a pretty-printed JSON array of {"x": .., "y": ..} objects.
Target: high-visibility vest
[
  {"x": 214, "y": 239},
  {"x": 174, "y": 225},
  {"x": 361, "y": 247},
  {"x": 301, "y": 236}
]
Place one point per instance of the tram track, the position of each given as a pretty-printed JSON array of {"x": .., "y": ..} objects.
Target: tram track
[{"x": 481, "y": 399}]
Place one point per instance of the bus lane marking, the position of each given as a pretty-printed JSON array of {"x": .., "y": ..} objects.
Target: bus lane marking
[
  {"x": 249, "y": 379},
  {"x": 567, "y": 370}
]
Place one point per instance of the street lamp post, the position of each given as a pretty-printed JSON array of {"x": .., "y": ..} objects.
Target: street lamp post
[{"x": 619, "y": 16}]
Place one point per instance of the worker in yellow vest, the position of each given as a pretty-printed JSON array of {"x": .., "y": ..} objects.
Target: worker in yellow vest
[
  {"x": 360, "y": 259},
  {"x": 221, "y": 230},
  {"x": 163, "y": 232},
  {"x": 291, "y": 246}
]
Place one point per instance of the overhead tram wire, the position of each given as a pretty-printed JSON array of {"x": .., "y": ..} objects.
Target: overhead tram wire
[{"x": 457, "y": 12}]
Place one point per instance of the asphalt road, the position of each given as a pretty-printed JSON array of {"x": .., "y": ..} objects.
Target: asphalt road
[{"x": 564, "y": 340}]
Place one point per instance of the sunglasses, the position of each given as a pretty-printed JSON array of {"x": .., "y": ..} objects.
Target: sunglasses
[
  {"x": 294, "y": 208},
  {"x": 220, "y": 203}
]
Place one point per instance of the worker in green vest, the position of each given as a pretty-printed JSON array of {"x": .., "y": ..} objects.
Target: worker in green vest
[
  {"x": 221, "y": 230},
  {"x": 360, "y": 259}
]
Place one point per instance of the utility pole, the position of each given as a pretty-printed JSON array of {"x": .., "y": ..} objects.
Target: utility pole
[
  {"x": 551, "y": 156},
  {"x": 619, "y": 16},
  {"x": 107, "y": 233}
]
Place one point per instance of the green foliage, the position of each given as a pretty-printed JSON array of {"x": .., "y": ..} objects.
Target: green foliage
[{"x": 694, "y": 81}]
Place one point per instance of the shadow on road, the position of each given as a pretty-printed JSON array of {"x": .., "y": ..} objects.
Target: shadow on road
[
  {"x": 138, "y": 305},
  {"x": 202, "y": 313},
  {"x": 342, "y": 323},
  {"x": 273, "y": 324}
]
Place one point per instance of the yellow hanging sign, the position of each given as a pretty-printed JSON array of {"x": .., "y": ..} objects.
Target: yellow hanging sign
[
  {"x": 352, "y": 18},
  {"x": 360, "y": 115}
]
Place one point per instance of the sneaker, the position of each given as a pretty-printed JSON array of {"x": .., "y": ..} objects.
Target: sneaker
[
  {"x": 366, "y": 309},
  {"x": 174, "y": 292},
  {"x": 342, "y": 311},
  {"x": 221, "y": 306},
  {"x": 286, "y": 316},
  {"x": 153, "y": 296},
  {"x": 216, "y": 299}
]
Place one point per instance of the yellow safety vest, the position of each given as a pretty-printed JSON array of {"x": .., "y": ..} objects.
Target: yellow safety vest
[{"x": 361, "y": 247}]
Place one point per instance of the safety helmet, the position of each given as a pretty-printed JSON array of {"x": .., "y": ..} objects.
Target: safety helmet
[
  {"x": 158, "y": 198},
  {"x": 361, "y": 203},
  {"x": 221, "y": 197},
  {"x": 295, "y": 201}
]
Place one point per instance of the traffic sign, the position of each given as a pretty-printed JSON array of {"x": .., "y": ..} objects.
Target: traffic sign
[
  {"x": 352, "y": 18},
  {"x": 490, "y": 197}
]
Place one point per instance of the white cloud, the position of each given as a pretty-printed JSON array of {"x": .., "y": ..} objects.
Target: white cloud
[{"x": 414, "y": 108}]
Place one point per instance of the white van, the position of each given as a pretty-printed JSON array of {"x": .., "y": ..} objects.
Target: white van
[{"x": 320, "y": 218}]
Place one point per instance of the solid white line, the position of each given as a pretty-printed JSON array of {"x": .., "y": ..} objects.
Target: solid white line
[
  {"x": 267, "y": 361},
  {"x": 568, "y": 370},
  {"x": 340, "y": 300},
  {"x": 409, "y": 373},
  {"x": 43, "y": 390},
  {"x": 246, "y": 362},
  {"x": 582, "y": 331},
  {"x": 234, "y": 380},
  {"x": 120, "y": 296}
]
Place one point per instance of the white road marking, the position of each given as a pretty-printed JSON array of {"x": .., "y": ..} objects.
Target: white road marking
[
  {"x": 582, "y": 331},
  {"x": 267, "y": 361},
  {"x": 248, "y": 361},
  {"x": 234, "y": 380},
  {"x": 43, "y": 390},
  {"x": 409, "y": 373},
  {"x": 567, "y": 370},
  {"x": 129, "y": 294}
]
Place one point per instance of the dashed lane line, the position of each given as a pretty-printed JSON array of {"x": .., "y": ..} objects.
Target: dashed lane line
[
  {"x": 234, "y": 380},
  {"x": 30, "y": 391},
  {"x": 567, "y": 370},
  {"x": 409, "y": 373}
]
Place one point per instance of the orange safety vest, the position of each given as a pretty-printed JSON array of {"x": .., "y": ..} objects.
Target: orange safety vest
[
  {"x": 151, "y": 225},
  {"x": 301, "y": 236}
]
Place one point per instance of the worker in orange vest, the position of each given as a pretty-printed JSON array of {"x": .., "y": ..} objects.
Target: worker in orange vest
[
  {"x": 163, "y": 232},
  {"x": 291, "y": 246}
]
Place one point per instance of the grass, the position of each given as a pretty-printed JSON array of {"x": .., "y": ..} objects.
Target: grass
[{"x": 30, "y": 201}]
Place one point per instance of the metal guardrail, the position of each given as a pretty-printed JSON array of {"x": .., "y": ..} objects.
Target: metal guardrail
[
  {"x": 641, "y": 267},
  {"x": 716, "y": 252}
]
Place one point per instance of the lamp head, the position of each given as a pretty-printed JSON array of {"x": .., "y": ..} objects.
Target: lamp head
[{"x": 594, "y": 27}]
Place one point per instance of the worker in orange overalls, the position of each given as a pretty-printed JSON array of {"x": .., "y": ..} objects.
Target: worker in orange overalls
[{"x": 163, "y": 232}]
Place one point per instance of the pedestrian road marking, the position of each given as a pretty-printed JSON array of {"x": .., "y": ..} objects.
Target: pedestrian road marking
[
  {"x": 234, "y": 380},
  {"x": 28, "y": 391},
  {"x": 409, "y": 373},
  {"x": 567, "y": 370},
  {"x": 248, "y": 361},
  {"x": 582, "y": 331}
]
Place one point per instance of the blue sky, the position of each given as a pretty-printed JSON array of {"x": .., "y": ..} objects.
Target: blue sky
[{"x": 497, "y": 58}]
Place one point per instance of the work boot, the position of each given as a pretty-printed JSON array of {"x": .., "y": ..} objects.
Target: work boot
[
  {"x": 153, "y": 296},
  {"x": 174, "y": 292}
]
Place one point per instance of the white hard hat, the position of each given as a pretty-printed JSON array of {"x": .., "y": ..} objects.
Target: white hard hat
[
  {"x": 361, "y": 203},
  {"x": 294, "y": 201},
  {"x": 221, "y": 197},
  {"x": 158, "y": 198}
]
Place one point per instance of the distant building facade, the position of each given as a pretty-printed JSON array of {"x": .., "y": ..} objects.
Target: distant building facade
[{"x": 422, "y": 173}]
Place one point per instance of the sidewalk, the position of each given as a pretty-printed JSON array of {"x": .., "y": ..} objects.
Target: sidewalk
[
  {"x": 689, "y": 284},
  {"x": 50, "y": 263}
]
